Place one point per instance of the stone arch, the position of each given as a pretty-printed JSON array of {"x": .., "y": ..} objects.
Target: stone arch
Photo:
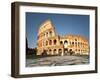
[
  {"x": 75, "y": 43},
  {"x": 75, "y": 39},
  {"x": 61, "y": 42},
  {"x": 46, "y": 43},
  {"x": 46, "y": 34},
  {"x": 72, "y": 43},
  {"x": 71, "y": 51},
  {"x": 50, "y": 51},
  {"x": 50, "y": 33},
  {"x": 78, "y": 43},
  {"x": 50, "y": 42},
  {"x": 65, "y": 42},
  {"x": 66, "y": 50},
  {"x": 60, "y": 51},
  {"x": 55, "y": 51},
  {"x": 44, "y": 53},
  {"x": 55, "y": 41}
]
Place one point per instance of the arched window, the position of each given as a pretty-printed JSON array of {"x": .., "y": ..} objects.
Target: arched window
[
  {"x": 50, "y": 51},
  {"x": 55, "y": 41},
  {"x": 65, "y": 42},
  {"x": 61, "y": 42},
  {"x": 78, "y": 43},
  {"x": 50, "y": 42},
  {"x": 70, "y": 50},
  {"x": 75, "y": 43},
  {"x": 50, "y": 33},
  {"x": 46, "y": 43},
  {"x": 75, "y": 39},
  {"x": 55, "y": 51},
  {"x": 72, "y": 43},
  {"x": 46, "y": 34},
  {"x": 60, "y": 50}
]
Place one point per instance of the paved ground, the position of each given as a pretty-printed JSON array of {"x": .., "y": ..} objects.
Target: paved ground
[{"x": 57, "y": 61}]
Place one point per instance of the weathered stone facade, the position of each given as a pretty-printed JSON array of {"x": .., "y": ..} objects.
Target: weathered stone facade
[{"x": 54, "y": 44}]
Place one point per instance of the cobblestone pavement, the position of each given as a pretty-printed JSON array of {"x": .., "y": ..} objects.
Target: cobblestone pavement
[{"x": 57, "y": 61}]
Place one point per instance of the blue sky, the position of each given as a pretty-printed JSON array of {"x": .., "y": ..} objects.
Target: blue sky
[{"x": 64, "y": 24}]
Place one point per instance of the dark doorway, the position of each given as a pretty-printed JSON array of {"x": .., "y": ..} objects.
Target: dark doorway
[
  {"x": 55, "y": 51},
  {"x": 44, "y": 53},
  {"x": 71, "y": 52},
  {"x": 60, "y": 51},
  {"x": 66, "y": 51}
]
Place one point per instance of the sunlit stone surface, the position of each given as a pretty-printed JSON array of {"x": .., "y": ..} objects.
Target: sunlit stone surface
[
  {"x": 51, "y": 43},
  {"x": 57, "y": 61}
]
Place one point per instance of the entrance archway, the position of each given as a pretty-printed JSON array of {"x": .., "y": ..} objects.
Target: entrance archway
[
  {"x": 71, "y": 51},
  {"x": 60, "y": 51},
  {"x": 55, "y": 51},
  {"x": 50, "y": 52},
  {"x": 66, "y": 51},
  {"x": 65, "y": 44}
]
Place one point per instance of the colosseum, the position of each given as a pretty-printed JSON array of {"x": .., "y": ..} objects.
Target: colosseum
[{"x": 51, "y": 43}]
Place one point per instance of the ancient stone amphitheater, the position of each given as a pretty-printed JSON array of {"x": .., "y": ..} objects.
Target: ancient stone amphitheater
[{"x": 49, "y": 42}]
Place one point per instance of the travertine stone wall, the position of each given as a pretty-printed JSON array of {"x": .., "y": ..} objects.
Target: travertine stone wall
[{"x": 53, "y": 44}]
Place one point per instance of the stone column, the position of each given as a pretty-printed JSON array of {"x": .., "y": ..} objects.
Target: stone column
[
  {"x": 62, "y": 54},
  {"x": 57, "y": 51}
]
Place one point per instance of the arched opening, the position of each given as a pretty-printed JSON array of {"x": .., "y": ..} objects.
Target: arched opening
[
  {"x": 75, "y": 43},
  {"x": 65, "y": 42},
  {"x": 46, "y": 43},
  {"x": 75, "y": 39},
  {"x": 60, "y": 51},
  {"x": 55, "y": 51},
  {"x": 72, "y": 43},
  {"x": 65, "y": 51},
  {"x": 61, "y": 42},
  {"x": 50, "y": 51},
  {"x": 55, "y": 41},
  {"x": 50, "y": 33},
  {"x": 78, "y": 43},
  {"x": 50, "y": 42},
  {"x": 46, "y": 34},
  {"x": 44, "y": 53},
  {"x": 71, "y": 51}
]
